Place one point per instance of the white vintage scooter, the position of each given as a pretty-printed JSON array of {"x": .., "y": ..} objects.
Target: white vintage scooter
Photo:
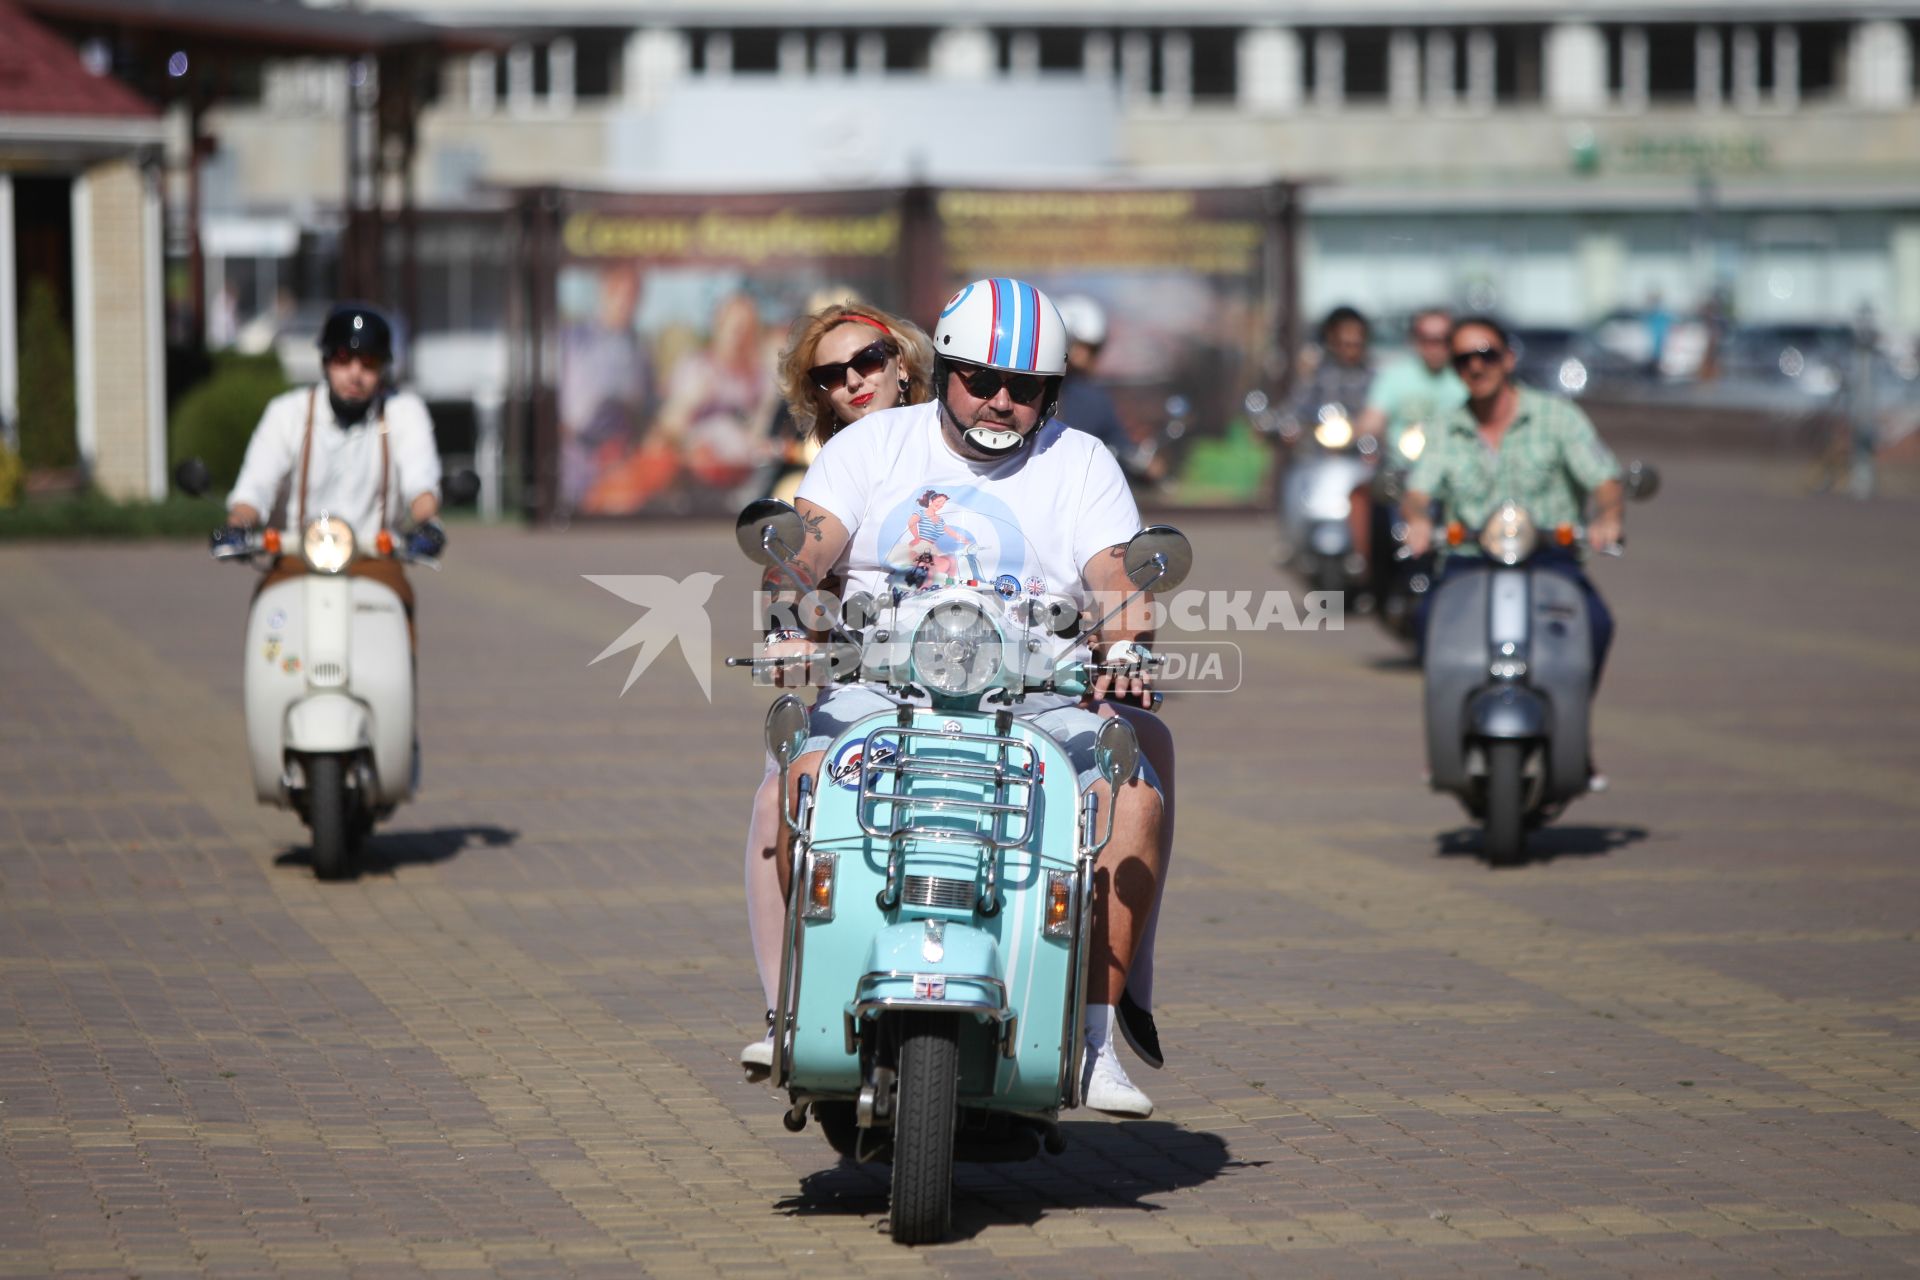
[{"x": 329, "y": 679}]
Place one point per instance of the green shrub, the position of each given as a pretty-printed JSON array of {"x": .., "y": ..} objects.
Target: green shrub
[
  {"x": 12, "y": 473},
  {"x": 47, "y": 414},
  {"x": 89, "y": 515},
  {"x": 214, "y": 421}
]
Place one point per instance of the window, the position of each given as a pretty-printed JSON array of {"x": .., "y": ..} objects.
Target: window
[
  {"x": 596, "y": 65},
  {"x": 1216, "y": 63},
  {"x": 1516, "y": 63},
  {"x": 1367, "y": 64},
  {"x": 756, "y": 49},
  {"x": 909, "y": 48},
  {"x": 1671, "y": 62},
  {"x": 1062, "y": 48},
  {"x": 1823, "y": 52}
]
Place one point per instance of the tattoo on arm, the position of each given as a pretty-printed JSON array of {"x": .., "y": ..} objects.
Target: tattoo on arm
[{"x": 813, "y": 526}]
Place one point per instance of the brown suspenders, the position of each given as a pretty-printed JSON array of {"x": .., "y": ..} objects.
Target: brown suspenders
[{"x": 306, "y": 455}]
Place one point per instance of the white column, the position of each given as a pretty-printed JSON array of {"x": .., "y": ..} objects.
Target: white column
[
  {"x": 560, "y": 64},
  {"x": 1786, "y": 67},
  {"x": 480, "y": 77},
  {"x": 1706, "y": 68},
  {"x": 1270, "y": 70},
  {"x": 1635, "y": 78},
  {"x": 1480, "y": 70},
  {"x": 86, "y": 428},
  {"x": 9, "y": 323},
  {"x": 656, "y": 57},
  {"x": 1023, "y": 54},
  {"x": 829, "y": 54},
  {"x": 1576, "y": 68},
  {"x": 1096, "y": 56},
  {"x": 153, "y": 248},
  {"x": 1329, "y": 70},
  {"x": 870, "y": 54},
  {"x": 1905, "y": 246},
  {"x": 1176, "y": 70},
  {"x": 1403, "y": 72},
  {"x": 1746, "y": 68},
  {"x": 520, "y": 79},
  {"x": 1441, "y": 69},
  {"x": 1879, "y": 65},
  {"x": 1136, "y": 66},
  {"x": 717, "y": 54},
  {"x": 963, "y": 53},
  {"x": 793, "y": 55}
]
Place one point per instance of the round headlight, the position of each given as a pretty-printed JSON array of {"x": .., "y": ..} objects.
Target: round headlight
[
  {"x": 956, "y": 650},
  {"x": 1510, "y": 536},
  {"x": 1333, "y": 431},
  {"x": 1573, "y": 376},
  {"x": 327, "y": 544},
  {"x": 1412, "y": 441}
]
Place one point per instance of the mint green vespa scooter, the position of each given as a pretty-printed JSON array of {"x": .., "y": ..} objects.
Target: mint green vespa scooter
[{"x": 933, "y": 979}]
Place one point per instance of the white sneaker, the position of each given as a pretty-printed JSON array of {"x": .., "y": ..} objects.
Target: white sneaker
[
  {"x": 1105, "y": 1086},
  {"x": 757, "y": 1059}
]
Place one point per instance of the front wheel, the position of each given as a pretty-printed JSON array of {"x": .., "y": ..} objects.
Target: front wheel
[
  {"x": 1506, "y": 838},
  {"x": 329, "y": 814},
  {"x": 923, "y": 1125}
]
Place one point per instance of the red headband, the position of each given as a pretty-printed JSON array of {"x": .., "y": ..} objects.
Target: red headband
[{"x": 860, "y": 319}]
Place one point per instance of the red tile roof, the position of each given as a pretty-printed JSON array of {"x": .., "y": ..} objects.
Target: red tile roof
[{"x": 41, "y": 75}]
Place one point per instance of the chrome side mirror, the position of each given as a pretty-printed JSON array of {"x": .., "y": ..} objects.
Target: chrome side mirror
[
  {"x": 1643, "y": 480},
  {"x": 767, "y": 528},
  {"x": 192, "y": 477},
  {"x": 1159, "y": 558},
  {"x": 1117, "y": 752},
  {"x": 786, "y": 729}
]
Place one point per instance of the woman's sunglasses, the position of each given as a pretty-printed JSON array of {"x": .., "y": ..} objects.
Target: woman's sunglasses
[
  {"x": 985, "y": 384},
  {"x": 866, "y": 362},
  {"x": 1464, "y": 360}
]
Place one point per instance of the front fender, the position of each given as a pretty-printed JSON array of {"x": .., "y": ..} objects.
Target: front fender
[
  {"x": 1509, "y": 711},
  {"x": 326, "y": 723},
  {"x": 967, "y": 958}
]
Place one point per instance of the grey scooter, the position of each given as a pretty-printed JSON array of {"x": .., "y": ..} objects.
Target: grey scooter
[{"x": 1509, "y": 681}]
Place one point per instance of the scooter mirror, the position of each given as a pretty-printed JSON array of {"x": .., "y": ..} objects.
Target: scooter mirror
[
  {"x": 1159, "y": 558},
  {"x": 192, "y": 477},
  {"x": 786, "y": 728},
  {"x": 1117, "y": 752},
  {"x": 1643, "y": 480},
  {"x": 751, "y": 530},
  {"x": 460, "y": 488}
]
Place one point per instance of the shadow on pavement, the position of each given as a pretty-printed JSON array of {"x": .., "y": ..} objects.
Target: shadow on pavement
[
  {"x": 1105, "y": 1166},
  {"x": 1547, "y": 843},
  {"x": 387, "y": 851},
  {"x": 1404, "y": 662}
]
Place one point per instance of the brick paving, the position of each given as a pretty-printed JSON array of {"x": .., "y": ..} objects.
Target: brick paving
[{"x": 1683, "y": 1041}]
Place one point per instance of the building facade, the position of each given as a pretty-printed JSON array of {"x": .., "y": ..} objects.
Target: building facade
[{"x": 1554, "y": 161}]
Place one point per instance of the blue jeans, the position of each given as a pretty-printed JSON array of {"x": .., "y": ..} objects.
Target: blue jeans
[{"x": 1554, "y": 560}]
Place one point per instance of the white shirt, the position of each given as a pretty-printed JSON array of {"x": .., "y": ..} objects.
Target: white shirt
[
  {"x": 343, "y": 470},
  {"x": 1028, "y": 524}
]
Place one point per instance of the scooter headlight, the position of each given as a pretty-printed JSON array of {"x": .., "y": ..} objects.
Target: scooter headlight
[
  {"x": 957, "y": 649},
  {"x": 1413, "y": 442},
  {"x": 1333, "y": 431},
  {"x": 327, "y": 544},
  {"x": 1510, "y": 536}
]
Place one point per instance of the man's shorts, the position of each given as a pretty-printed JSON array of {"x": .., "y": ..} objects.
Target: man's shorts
[{"x": 1060, "y": 717}]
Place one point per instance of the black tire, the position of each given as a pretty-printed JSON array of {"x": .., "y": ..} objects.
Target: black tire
[
  {"x": 330, "y": 817},
  {"x": 1506, "y": 829},
  {"x": 923, "y": 1125}
]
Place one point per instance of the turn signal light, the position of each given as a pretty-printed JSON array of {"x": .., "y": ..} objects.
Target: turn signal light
[
  {"x": 1059, "y": 921},
  {"x": 384, "y": 542},
  {"x": 1456, "y": 533},
  {"x": 271, "y": 541},
  {"x": 819, "y": 903},
  {"x": 1563, "y": 534}
]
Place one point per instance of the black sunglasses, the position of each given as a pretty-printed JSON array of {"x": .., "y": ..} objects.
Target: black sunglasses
[
  {"x": 985, "y": 384},
  {"x": 866, "y": 362},
  {"x": 1463, "y": 360}
]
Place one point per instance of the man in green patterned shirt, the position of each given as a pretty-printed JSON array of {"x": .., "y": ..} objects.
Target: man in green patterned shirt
[{"x": 1510, "y": 443}]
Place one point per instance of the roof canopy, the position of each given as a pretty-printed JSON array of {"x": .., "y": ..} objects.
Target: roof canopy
[{"x": 41, "y": 76}]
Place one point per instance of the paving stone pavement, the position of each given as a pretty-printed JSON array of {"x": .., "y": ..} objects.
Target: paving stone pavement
[{"x": 1683, "y": 1041}]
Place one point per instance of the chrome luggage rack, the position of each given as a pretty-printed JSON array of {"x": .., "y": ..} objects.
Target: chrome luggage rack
[{"x": 1004, "y": 822}]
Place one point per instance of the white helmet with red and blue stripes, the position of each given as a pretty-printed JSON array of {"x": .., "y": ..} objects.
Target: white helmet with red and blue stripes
[{"x": 1003, "y": 324}]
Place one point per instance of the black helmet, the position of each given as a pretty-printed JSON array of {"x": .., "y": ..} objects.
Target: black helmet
[{"x": 353, "y": 326}]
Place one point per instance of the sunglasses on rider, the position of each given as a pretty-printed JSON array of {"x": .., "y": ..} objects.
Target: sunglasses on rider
[
  {"x": 985, "y": 384},
  {"x": 866, "y": 362},
  {"x": 1464, "y": 360}
]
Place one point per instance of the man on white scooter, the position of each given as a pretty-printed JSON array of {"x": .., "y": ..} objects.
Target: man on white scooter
[{"x": 349, "y": 446}]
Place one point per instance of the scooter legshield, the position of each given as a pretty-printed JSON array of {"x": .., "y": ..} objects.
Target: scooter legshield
[{"x": 834, "y": 959}]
